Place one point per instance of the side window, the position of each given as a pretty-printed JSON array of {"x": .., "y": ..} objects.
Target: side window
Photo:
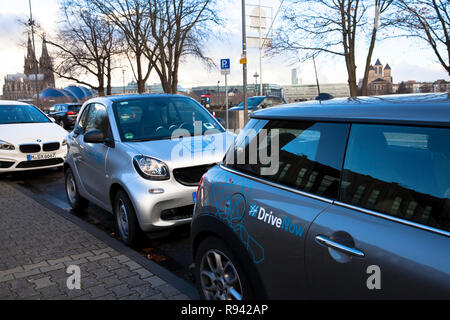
[
  {"x": 400, "y": 171},
  {"x": 97, "y": 119},
  {"x": 277, "y": 101},
  {"x": 82, "y": 120},
  {"x": 306, "y": 156},
  {"x": 267, "y": 102}
]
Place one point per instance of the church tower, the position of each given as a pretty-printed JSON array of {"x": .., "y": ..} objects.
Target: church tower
[
  {"x": 30, "y": 62},
  {"x": 46, "y": 67},
  {"x": 387, "y": 73}
]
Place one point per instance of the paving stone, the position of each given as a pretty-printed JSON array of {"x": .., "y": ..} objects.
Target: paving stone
[
  {"x": 37, "y": 245},
  {"x": 43, "y": 283},
  {"x": 155, "y": 281}
]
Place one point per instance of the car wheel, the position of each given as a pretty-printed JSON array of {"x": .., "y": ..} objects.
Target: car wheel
[
  {"x": 126, "y": 220},
  {"x": 76, "y": 201},
  {"x": 219, "y": 274},
  {"x": 61, "y": 123}
]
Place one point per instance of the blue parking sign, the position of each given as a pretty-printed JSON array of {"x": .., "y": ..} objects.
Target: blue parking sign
[{"x": 224, "y": 64}]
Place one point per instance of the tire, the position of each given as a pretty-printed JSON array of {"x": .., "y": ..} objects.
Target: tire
[
  {"x": 126, "y": 221},
  {"x": 76, "y": 201},
  {"x": 62, "y": 124},
  {"x": 215, "y": 283}
]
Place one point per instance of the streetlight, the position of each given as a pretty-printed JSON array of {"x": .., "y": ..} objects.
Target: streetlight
[
  {"x": 123, "y": 79},
  {"x": 218, "y": 92},
  {"x": 31, "y": 24},
  {"x": 244, "y": 61}
]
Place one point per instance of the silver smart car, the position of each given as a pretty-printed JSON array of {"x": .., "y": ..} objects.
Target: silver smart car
[{"x": 141, "y": 157}]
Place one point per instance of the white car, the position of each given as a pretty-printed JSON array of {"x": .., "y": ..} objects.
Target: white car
[{"x": 29, "y": 140}]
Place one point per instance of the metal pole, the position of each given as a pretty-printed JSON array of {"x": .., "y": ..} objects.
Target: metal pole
[
  {"x": 123, "y": 79},
  {"x": 260, "y": 51},
  {"x": 226, "y": 100},
  {"x": 244, "y": 56},
  {"x": 317, "y": 78},
  {"x": 36, "y": 71}
]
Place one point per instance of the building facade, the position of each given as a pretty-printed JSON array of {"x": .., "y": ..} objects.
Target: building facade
[
  {"x": 37, "y": 75},
  {"x": 380, "y": 80}
]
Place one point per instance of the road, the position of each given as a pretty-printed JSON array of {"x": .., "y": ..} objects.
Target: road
[{"x": 171, "y": 251}]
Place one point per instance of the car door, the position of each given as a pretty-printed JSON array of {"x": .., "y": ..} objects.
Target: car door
[
  {"x": 388, "y": 235},
  {"x": 92, "y": 161},
  {"x": 286, "y": 195}
]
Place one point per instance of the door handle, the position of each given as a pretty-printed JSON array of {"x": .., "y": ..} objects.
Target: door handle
[{"x": 340, "y": 247}]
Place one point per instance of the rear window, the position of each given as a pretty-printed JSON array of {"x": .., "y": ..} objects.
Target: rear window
[
  {"x": 75, "y": 108},
  {"x": 306, "y": 156},
  {"x": 401, "y": 171}
]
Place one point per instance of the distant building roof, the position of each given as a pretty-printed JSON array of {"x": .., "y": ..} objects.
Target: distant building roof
[
  {"x": 388, "y": 67},
  {"x": 371, "y": 67},
  {"x": 378, "y": 63}
]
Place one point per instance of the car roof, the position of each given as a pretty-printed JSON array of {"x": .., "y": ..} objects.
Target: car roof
[
  {"x": 417, "y": 109},
  {"x": 11, "y": 102},
  {"x": 138, "y": 96}
]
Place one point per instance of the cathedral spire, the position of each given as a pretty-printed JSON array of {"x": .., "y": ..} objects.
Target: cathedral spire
[{"x": 30, "y": 60}]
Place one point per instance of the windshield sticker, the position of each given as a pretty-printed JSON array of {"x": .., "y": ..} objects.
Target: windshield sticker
[
  {"x": 129, "y": 136},
  {"x": 270, "y": 218},
  {"x": 208, "y": 125}
]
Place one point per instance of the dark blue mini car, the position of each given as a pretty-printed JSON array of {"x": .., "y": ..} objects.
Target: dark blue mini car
[{"x": 346, "y": 199}]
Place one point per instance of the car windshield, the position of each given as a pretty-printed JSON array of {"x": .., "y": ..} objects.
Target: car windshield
[
  {"x": 10, "y": 114},
  {"x": 157, "y": 118},
  {"x": 252, "y": 102}
]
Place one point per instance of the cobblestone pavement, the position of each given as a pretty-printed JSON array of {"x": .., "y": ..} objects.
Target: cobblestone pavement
[{"x": 37, "y": 246}]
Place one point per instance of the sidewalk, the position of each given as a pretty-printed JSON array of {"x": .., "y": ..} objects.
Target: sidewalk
[{"x": 38, "y": 244}]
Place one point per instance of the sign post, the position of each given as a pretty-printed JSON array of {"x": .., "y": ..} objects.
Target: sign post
[{"x": 225, "y": 70}]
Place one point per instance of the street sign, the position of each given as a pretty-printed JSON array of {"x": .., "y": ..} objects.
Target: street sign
[{"x": 225, "y": 66}]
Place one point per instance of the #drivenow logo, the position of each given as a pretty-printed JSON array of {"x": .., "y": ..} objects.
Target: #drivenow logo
[{"x": 284, "y": 224}]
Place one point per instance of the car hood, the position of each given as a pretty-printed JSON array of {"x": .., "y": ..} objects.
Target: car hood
[
  {"x": 21, "y": 133},
  {"x": 187, "y": 151}
]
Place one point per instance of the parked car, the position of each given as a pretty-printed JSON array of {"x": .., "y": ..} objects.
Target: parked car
[
  {"x": 123, "y": 157},
  {"x": 29, "y": 139},
  {"x": 355, "y": 204},
  {"x": 262, "y": 102},
  {"x": 65, "y": 114}
]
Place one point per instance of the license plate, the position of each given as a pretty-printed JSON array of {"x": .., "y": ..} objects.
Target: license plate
[
  {"x": 194, "y": 196},
  {"x": 41, "y": 156}
]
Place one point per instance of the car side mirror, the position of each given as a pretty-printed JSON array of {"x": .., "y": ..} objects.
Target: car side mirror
[{"x": 94, "y": 136}]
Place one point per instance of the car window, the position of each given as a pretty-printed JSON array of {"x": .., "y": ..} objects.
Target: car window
[
  {"x": 97, "y": 119},
  {"x": 267, "y": 102},
  {"x": 82, "y": 120},
  {"x": 157, "y": 118},
  {"x": 400, "y": 171},
  {"x": 277, "y": 101},
  {"x": 10, "y": 114},
  {"x": 307, "y": 156}
]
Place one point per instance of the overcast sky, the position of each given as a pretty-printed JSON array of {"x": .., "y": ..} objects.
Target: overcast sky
[{"x": 409, "y": 59}]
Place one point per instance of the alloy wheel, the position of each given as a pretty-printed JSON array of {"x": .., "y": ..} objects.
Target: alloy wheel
[{"x": 219, "y": 277}]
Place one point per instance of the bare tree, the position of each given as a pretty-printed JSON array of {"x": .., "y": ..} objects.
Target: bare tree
[
  {"x": 428, "y": 20},
  {"x": 132, "y": 18},
  {"x": 85, "y": 45},
  {"x": 334, "y": 27},
  {"x": 178, "y": 29}
]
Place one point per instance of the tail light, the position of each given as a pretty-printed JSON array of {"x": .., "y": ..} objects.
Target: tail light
[{"x": 71, "y": 113}]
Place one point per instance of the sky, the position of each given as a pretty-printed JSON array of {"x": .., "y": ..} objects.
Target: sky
[{"x": 408, "y": 58}]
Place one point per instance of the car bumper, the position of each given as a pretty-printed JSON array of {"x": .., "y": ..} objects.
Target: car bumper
[
  {"x": 161, "y": 204},
  {"x": 12, "y": 161}
]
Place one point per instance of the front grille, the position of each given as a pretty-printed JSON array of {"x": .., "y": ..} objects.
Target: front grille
[
  {"x": 6, "y": 164},
  {"x": 50, "y": 146},
  {"x": 39, "y": 163},
  {"x": 177, "y": 213},
  {"x": 191, "y": 176},
  {"x": 30, "y": 148}
]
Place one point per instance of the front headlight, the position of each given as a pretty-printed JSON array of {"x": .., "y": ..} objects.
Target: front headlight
[
  {"x": 6, "y": 145},
  {"x": 150, "y": 168}
]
